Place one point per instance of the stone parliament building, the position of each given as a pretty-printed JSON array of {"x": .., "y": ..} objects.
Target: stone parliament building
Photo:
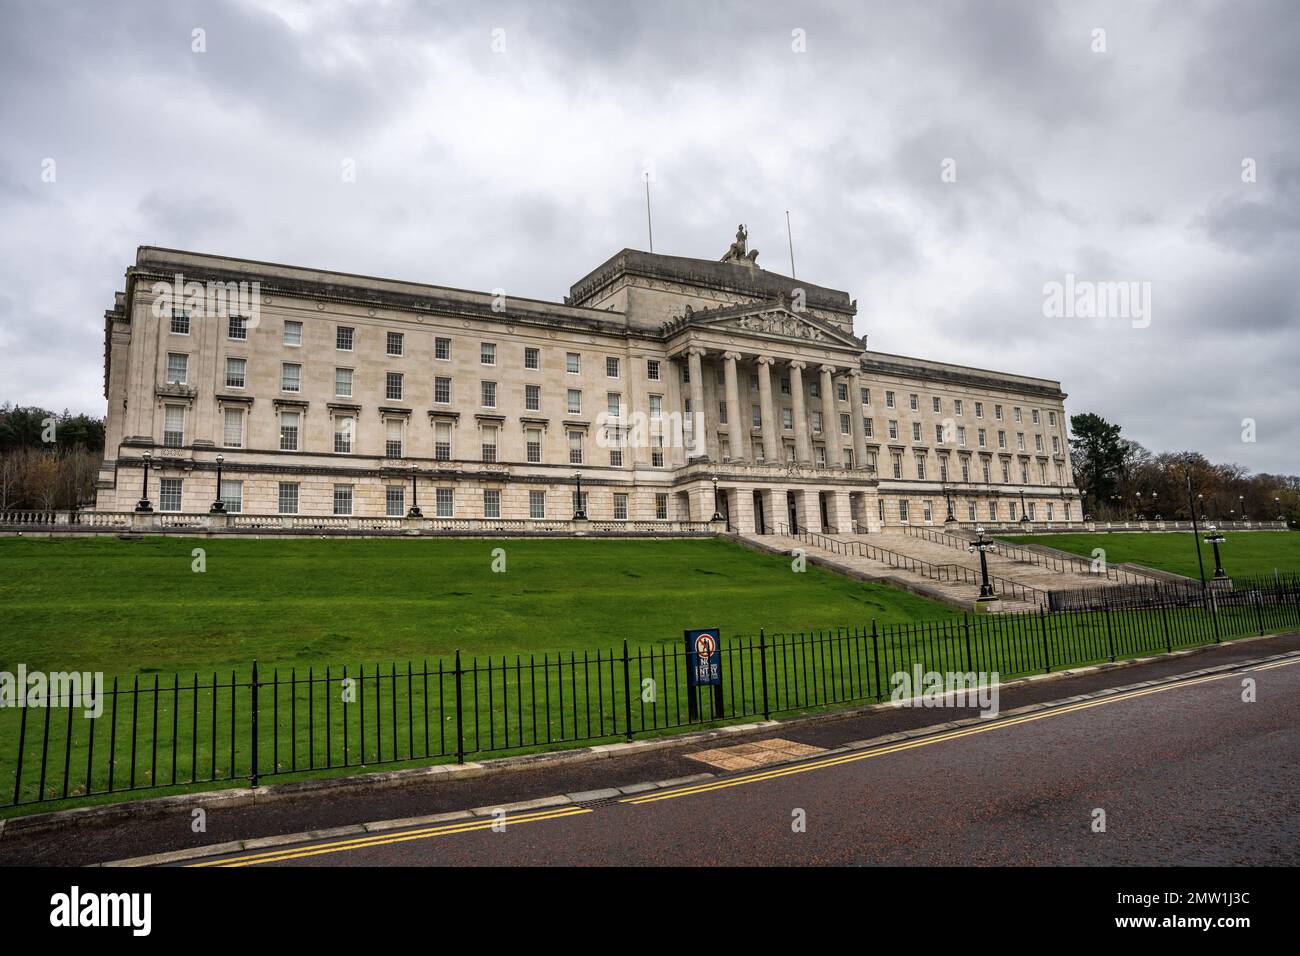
[{"x": 661, "y": 385}]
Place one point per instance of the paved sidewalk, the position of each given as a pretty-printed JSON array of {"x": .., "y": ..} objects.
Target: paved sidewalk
[{"x": 149, "y": 834}]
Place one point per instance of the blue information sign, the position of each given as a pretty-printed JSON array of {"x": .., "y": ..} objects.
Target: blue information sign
[{"x": 704, "y": 655}]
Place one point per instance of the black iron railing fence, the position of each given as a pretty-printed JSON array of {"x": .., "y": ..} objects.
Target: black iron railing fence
[{"x": 172, "y": 732}]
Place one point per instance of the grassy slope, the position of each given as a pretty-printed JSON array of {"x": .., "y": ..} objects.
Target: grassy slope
[
  {"x": 135, "y": 606},
  {"x": 1245, "y": 552}
]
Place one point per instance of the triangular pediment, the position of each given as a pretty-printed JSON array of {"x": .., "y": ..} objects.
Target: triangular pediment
[{"x": 773, "y": 319}]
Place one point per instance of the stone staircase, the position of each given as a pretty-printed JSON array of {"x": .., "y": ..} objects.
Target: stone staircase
[
  {"x": 941, "y": 566},
  {"x": 947, "y": 581},
  {"x": 1014, "y": 562}
]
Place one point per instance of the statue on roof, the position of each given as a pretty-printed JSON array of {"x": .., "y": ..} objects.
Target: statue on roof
[{"x": 737, "y": 252}]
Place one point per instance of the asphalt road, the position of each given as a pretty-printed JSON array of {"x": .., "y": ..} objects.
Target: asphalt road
[{"x": 1188, "y": 773}]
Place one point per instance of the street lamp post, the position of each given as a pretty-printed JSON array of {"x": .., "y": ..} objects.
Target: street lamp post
[
  {"x": 143, "y": 505},
  {"x": 218, "y": 506},
  {"x": 1216, "y": 538},
  {"x": 947, "y": 499},
  {"x": 415, "y": 511},
  {"x": 1242, "y": 500},
  {"x": 982, "y": 545},
  {"x": 717, "y": 512},
  {"x": 1024, "y": 512},
  {"x": 579, "y": 509}
]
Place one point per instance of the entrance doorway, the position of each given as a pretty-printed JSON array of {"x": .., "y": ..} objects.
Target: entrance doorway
[
  {"x": 821, "y": 502},
  {"x": 760, "y": 520},
  {"x": 792, "y": 511}
]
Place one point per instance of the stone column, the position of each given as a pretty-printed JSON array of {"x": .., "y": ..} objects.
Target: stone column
[
  {"x": 764, "y": 363},
  {"x": 830, "y": 418},
  {"x": 856, "y": 419},
  {"x": 802, "y": 442},
  {"x": 695, "y": 367},
  {"x": 735, "y": 422}
]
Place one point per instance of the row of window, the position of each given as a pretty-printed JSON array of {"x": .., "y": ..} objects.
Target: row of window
[
  {"x": 171, "y": 490},
  {"x": 972, "y": 511},
  {"x": 986, "y": 465}
]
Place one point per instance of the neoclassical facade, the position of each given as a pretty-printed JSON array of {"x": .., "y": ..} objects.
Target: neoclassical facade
[{"x": 324, "y": 393}]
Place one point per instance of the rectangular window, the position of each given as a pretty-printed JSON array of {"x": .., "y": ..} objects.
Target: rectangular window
[
  {"x": 897, "y": 466},
  {"x": 656, "y": 406},
  {"x": 902, "y": 511},
  {"x": 611, "y": 366},
  {"x": 343, "y": 499},
  {"x": 396, "y": 343},
  {"x": 927, "y": 512},
  {"x": 442, "y": 349},
  {"x": 1056, "y": 445},
  {"x": 961, "y": 434},
  {"x": 177, "y": 368},
  {"x": 489, "y": 394},
  {"x": 442, "y": 391},
  {"x": 866, "y": 396},
  {"x": 657, "y": 452},
  {"x": 288, "y": 503},
  {"x": 956, "y": 406},
  {"x": 533, "y": 445},
  {"x": 661, "y": 507},
  {"x": 292, "y": 333},
  {"x": 232, "y": 428},
  {"x": 532, "y": 398},
  {"x": 393, "y": 386},
  {"x": 442, "y": 441},
  {"x": 572, "y": 363},
  {"x": 491, "y": 503},
  {"x": 174, "y": 426},
  {"x": 652, "y": 369},
  {"x": 620, "y": 507},
  {"x": 343, "y": 382},
  {"x": 290, "y": 377},
  {"x": 575, "y": 448},
  {"x": 913, "y": 402},
  {"x": 487, "y": 353},
  {"x": 787, "y": 419},
  {"x": 889, "y": 399},
  {"x": 1051, "y": 420},
  {"x": 537, "y": 504},
  {"x": 979, "y": 409},
  {"x": 616, "y": 458},
  {"x": 232, "y": 496},
  {"x": 489, "y": 444},
  {"x": 393, "y": 438},
  {"x": 344, "y": 428},
  {"x": 1002, "y": 439},
  {"x": 935, "y": 406},
  {"x": 785, "y": 385},
  {"x": 916, "y": 431},
  {"x": 614, "y": 404},
  {"x": 289, "y": 431},
  {"x": 920, "y": 468},
  {"x": 722, "y": 413},
  {"x": 445, "y": 503},
  {"x": 532, "y": 358},
  {"x": 756, "y": 415},
  {"x": 846, "y": 427},
  {"x": 842, "y": 392},
  {"x": 180, "y": 322},
  {"x": 893, "y": 430},
  {"x": 997, "y": 412},
  {"x": 983, "y": 438},
  {"x": 237, "y": 327},
  {"x": 395, "y": 501},
  {"x": 1038, "y": 443},
  {"x": 343, "y": 338},
  {"x": 1033, "y": 416},
  {"x": 169, "y": 494},
  {"x": 575, "y": 401},
  {"x": 938, "y": 434},
  {"x": 868, "y": 427}
]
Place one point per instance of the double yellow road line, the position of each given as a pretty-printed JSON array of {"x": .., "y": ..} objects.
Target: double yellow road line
[{"x": 379, "y": 839}]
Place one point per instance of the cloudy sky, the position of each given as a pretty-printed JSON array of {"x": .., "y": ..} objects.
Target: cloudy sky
[{"x": 503, "y": 145}]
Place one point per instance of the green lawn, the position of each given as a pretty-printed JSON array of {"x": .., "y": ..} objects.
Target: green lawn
[
  {"x": 128, "y": 607},
  {"x": 180, "y": 644},
  {"x": 1245, "y": 552}
]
